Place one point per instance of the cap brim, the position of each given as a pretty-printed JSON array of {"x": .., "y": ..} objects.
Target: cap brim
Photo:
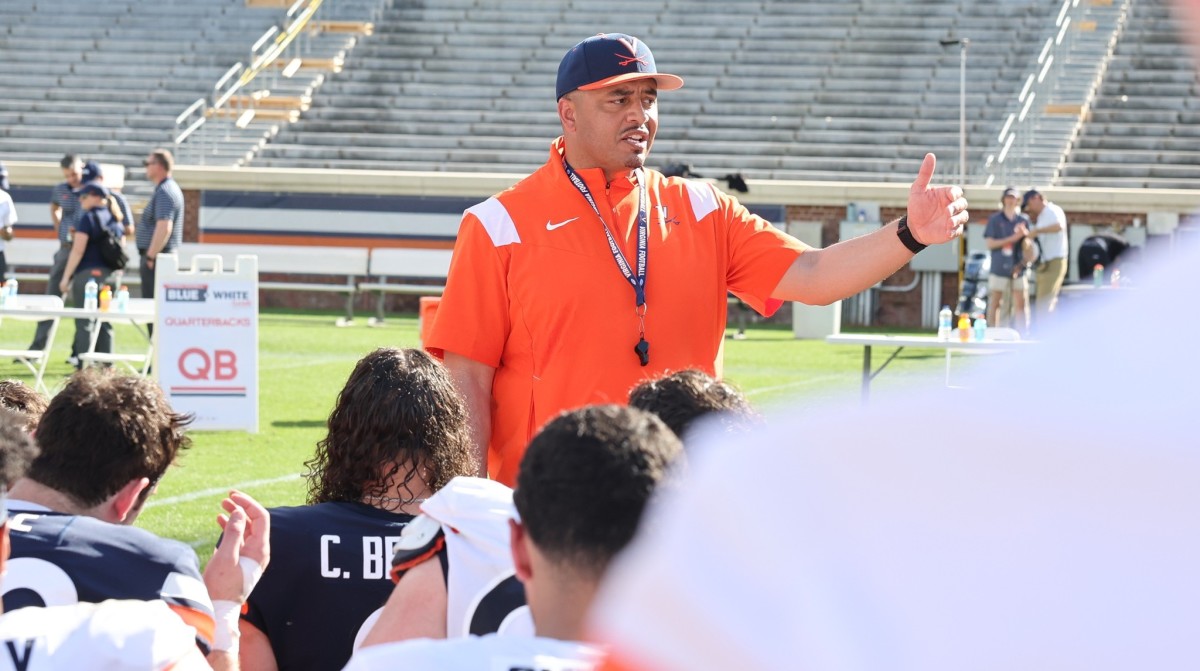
[{"x": 665, "y": 81}]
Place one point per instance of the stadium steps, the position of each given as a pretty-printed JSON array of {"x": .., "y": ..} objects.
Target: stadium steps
[
  {"x": 766, "y": 80},
  {"x": 1144, "y": 126},
  {"x": 114, "y": 77}
]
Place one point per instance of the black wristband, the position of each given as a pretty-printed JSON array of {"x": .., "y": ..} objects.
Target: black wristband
[{"x": 906, "y": 236}]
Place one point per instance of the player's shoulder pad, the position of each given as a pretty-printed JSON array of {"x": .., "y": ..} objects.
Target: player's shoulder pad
[{"x": 421, "y": 539}]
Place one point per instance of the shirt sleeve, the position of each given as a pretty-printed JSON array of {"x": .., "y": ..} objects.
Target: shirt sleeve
[
  {"x": 473, "y": 316},
  {"x": 85, "y": 225},
  {"x": 759, "y": 254}
]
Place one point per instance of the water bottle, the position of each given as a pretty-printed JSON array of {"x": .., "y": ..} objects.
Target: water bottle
[
  {"x": 945, "y": 321},
  {"x": 3, "y": 294},
  {"x": 105, "y": 298},
  {"x": 90, "y": 295},
  {"x": 123, "y": 299},
  {"x": 10, "y": 291},
  {"x": 1098, "y": 275},
  {"x": 980, "y": 328},
  {"x": 964, "y": 327}
]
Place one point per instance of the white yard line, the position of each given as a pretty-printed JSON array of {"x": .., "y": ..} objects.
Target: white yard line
[{"x": 213, "y": 491}]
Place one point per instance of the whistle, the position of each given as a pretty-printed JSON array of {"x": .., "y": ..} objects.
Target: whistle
[{"x": 642, "y": 349}]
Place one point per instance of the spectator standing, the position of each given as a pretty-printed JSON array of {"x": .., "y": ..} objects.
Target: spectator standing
[
  {"x": 64, "y": 211},
  {"x": 1050, "y": 231},
  {"x": 8, "y": 217},
  {"x": 93, "y": 173},
  {"x": 161, "y": 229},
  {"x": 1008, "y": 283},
  {"x": 85, "y": 263},
  {"x": 594, "y": 272}
]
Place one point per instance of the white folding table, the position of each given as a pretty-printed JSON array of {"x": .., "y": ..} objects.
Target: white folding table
[{"x": 870, "y": 340}]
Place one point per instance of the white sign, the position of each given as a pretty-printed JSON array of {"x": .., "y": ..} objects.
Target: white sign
[{"x": 206, "y": 354}]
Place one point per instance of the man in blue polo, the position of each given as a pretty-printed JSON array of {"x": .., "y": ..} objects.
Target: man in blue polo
[{"x": 1008, "y": 289}]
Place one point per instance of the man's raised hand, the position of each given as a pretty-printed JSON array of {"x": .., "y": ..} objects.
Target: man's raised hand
[{"x": 936, "y": 214}]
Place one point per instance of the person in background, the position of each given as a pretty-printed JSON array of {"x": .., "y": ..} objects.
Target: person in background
[
  {"x": 8, "y": 217},
  {"x": 161, "y": 229},
  {"x": 397, "y": 434},
  {"x": 64, "y": 212},
  {"x": 93, "y": 173},
  {"x": 1008, "y": 284},
  {"x": 85, "y": 263},
  {"x": 582, "y": 486},
  {"x": 1050, "y": 232}
]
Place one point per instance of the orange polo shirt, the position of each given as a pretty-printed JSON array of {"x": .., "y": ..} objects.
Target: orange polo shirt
[{"x": 534, "y": 291}]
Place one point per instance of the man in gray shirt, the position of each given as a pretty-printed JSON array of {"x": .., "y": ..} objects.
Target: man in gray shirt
[
  {"x": 64, "y": 211},
  {"x": 161, "y": 229}
]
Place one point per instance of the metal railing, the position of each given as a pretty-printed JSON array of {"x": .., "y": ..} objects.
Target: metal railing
[
  {"x": 230, "y": 99},
  {"x": 1018, "y": 154}
]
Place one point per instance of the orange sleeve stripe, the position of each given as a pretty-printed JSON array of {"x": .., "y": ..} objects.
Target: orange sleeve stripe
[
  {"x": 206, "y": 628},
  {"x": 614, "y": 663},
  {"x": 419, "y": 559}
]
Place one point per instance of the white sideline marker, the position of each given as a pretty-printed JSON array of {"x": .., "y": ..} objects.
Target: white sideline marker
[{"x": 213, "y": 491}]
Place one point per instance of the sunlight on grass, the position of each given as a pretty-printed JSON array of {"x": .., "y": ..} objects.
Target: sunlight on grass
[{"x": 304, "y": 360}]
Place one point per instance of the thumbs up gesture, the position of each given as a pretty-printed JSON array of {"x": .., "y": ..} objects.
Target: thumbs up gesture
[{"x": 936, "y": 214}]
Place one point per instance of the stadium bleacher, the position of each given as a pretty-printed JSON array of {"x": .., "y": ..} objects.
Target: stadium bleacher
[
  {"x": 811, "y": 90},
  {"x": 785, "y": 90},
  {"x": 1144, "y": 128},
  {"x": 109, "y": 83}
]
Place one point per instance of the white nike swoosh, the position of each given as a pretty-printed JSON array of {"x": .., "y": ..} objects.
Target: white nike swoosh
[{"x": 551, "y": 227}]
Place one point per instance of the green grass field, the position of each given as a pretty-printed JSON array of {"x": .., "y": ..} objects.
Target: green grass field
[{"x": 304, "y": 360}]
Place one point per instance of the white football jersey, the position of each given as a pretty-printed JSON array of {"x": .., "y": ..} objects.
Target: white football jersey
[
  {"x": 483, "y": 595},
  {"x": 479, "y": 653},
  {"x": 913, "y": 535},
  {"x": 108, "y": 636}
]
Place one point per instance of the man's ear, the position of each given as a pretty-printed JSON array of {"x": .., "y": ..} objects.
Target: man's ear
[
  {"x": 566, "y": 113},
  {"x": 125, "y": 500},
  {"x": 520, "y": 551}
]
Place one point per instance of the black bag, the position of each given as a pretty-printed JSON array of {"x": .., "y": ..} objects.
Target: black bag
[{"x": 111, "y": 249}]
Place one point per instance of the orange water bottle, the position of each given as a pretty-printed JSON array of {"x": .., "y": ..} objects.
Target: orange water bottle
[
  {"x": 105, "y": 298},
  {"x": 964, "y": 327}
]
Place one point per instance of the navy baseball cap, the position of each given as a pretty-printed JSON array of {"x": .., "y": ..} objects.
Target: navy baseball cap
[
  {"x": 92, "y": 189},
  {"x": 3, "y": 178},
  {"x": 1029, "y": 194},
  {"x": 91, "y": 172},
  {"x": 608, "y": 59}
]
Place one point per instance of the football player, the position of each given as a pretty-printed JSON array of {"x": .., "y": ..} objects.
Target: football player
[
  {"x": 106, "y": 440},
  {"x": 397, "y": 434},
  {"x": 581, "y": 489},
  {"x": 129, "y": 635}
]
